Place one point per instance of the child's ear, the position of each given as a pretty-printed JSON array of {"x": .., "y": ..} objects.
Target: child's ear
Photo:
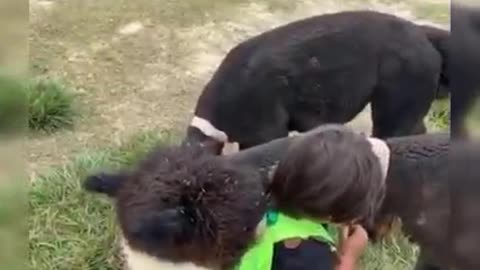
[
  {"x": 169, "y": 226},
  {"x": 104, "y": 183}
]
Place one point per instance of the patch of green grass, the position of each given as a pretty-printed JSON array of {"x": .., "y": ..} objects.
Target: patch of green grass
[
  {"x": 38, "y": 105},
  {"x": 395, "y": 252},
  {"x": 438, "y": 119},
  {"x": 13, "y": 104},
  {"x": 71, "y": 229},
  {"x": 50, "y": 106}
]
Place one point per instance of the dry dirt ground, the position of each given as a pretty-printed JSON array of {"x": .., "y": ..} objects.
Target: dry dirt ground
[{"x": 140, "y": 65}]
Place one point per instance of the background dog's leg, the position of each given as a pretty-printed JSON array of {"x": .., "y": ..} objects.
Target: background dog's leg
[{"x": 400, "y": 115}]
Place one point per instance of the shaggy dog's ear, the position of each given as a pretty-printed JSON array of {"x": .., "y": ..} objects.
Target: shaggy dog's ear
[
  {"x": 104, "y": 183},
  {"x": 169, "y": 226}
]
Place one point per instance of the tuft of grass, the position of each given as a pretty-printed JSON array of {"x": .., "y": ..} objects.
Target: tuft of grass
[
  {"x": 13, "y": 105},
  {"x": 71, "y": 229},
  {"x": 394, "y": 252},
  {"x": 50, "y": 106},
  {"x": 438, "y": 119}
]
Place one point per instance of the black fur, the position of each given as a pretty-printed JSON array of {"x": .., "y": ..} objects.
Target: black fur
[{"x": 325, "y": 69}]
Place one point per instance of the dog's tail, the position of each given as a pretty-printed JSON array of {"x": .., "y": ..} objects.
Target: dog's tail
[{"x": 439, "y": 39}]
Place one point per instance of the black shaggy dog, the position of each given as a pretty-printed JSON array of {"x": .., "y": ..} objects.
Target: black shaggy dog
[
  {"x": 324, "y": 69},
  {"x": 182, "y": 205},
  {"x": 464, "y": 64},
  {"x": 184, "y": 209}
]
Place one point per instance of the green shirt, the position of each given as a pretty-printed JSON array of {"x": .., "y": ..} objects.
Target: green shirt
[{"x": 279, "y": 228}]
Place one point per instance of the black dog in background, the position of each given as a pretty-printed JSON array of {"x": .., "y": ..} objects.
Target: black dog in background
[
  {"x": 431, "y": 186},
  {"x": 464, "y": 64},
  {"x": 324, "y": 69}
]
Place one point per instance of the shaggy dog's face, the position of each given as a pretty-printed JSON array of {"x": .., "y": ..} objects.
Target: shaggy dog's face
[{"x": 182, "y": 206}]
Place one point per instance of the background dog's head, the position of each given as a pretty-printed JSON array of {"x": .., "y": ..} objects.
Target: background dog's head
[{"x": 182, "y": 205}]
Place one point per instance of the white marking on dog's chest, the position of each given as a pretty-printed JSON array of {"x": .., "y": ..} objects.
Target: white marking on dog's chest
[
  {"x": 208, "y": 129},
  {"x": 211, "y": 131},
  {"x": 230, "y": 148},
  {"x": 137, "y": 260}
]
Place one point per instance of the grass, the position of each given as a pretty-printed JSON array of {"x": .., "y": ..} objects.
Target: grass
[
  {"x": 438, "y": 119},
  {"x": 40, "y": 105},
  {"x": 50, "y": 105},
  {"x": 395, "y": 252},
  {"x": 70, "y": 229}
]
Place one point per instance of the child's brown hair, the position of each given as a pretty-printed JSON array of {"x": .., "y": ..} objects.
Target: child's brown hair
[{"x": 331, "y": 174}]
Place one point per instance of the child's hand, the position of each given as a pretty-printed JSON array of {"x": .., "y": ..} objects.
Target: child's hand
[{"x": 353, "y": 241}]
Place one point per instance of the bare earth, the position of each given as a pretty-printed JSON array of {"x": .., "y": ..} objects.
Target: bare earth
[{"x": 140, "y": 65}]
